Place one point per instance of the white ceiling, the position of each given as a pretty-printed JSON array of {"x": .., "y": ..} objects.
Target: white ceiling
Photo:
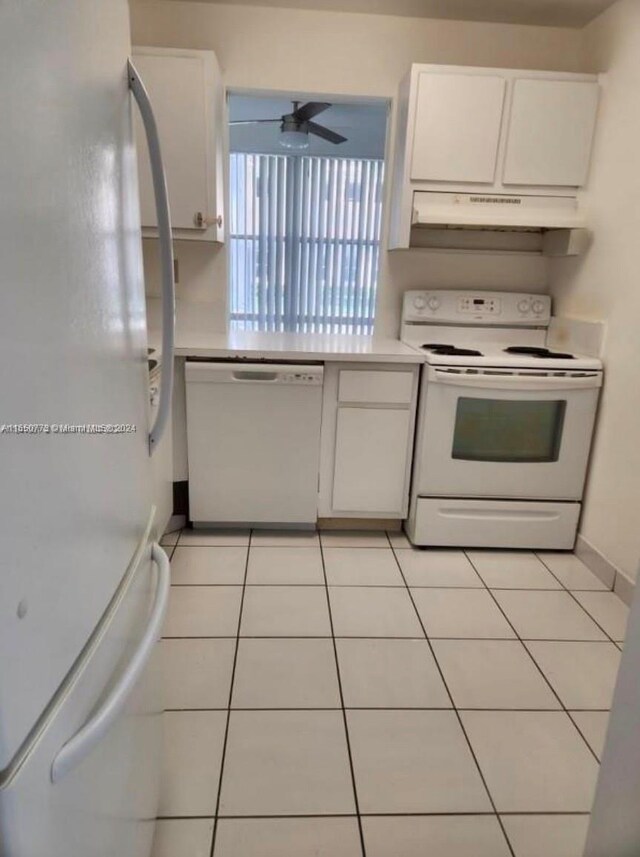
[
  {"x": 363, "y": 124},
  {"x": 563, "y": 13}
]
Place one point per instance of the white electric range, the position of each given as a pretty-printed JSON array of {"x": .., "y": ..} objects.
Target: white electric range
[{"x": 504, "y": 423}]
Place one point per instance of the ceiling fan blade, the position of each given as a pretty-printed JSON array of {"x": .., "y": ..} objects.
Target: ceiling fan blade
[
  {"x": 325, "y": 133},
  {"x": 251, "y": 121},
  {"x": 309, "y": 110}
]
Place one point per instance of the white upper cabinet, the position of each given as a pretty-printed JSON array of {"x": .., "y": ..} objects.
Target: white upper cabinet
[
  {"x": 457, "y": 127},
  {"x": 479, "y": 143},
  {"x": 550, "y": 132},
  {"x": 186, "y": 93}
]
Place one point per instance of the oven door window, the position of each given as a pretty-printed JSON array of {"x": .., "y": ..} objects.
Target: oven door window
[{"x": 508, "y": 431}]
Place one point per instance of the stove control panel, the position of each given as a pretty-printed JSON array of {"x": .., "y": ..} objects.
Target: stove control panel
[
  {"x": 458, "y": 308},
  {"x": 479, "y": 306}
]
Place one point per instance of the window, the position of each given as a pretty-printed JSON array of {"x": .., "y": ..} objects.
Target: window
[{"x": 304, "y": 242}]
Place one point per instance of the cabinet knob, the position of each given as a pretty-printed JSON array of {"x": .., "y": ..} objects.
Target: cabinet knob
[{"x": 203, "y": 222}]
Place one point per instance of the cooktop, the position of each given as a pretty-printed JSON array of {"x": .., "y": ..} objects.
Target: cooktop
[
  {"x": 487, "y": 329},
  {"x": 535, "y": 351},
  {"x": 448, "y": 350},
  {"x": 453, "y": 350}
]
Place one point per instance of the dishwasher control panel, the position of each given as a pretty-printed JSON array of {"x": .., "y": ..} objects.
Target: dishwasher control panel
[
  {"x": 262, "y": 374},
  {"x": 300, "y": 378}
]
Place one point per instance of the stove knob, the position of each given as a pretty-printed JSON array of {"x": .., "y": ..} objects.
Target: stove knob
[
  {"x": 524, "y": 306},
  {"x": 538, "y": 307},
  {"x": 419, "y": 302},
  {"x": 433, "y": 303}
]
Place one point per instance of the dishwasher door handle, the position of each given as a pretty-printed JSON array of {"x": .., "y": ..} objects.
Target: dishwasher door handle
[{"x": 240, "y": 375}]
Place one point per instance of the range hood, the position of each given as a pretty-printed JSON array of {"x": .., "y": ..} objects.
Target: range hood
[
  {"x": 551, "y": 225},
  {"x": 495, "y": 212}
]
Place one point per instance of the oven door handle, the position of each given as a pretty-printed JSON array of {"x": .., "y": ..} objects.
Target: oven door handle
[{"x": 486, "y": 381}]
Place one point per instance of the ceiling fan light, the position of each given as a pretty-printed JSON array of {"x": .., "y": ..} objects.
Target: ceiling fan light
[{"x": 294, "y": 140}]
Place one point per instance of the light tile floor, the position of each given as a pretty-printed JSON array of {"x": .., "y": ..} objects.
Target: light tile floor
[{"x": 349, "y": 696}]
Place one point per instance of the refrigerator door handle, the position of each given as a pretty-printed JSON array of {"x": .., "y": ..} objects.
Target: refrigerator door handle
[
  {"x": 166, "y": 255},
  {"x": 94, "y": 730}
]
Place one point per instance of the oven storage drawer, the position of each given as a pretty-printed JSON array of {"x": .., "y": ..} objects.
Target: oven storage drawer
[{"x": 450, "y": 522}]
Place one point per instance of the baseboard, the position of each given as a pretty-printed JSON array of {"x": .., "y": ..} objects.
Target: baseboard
[
  {"x": 393, "y": 524},
  {"x": 176, "y": 522},
  {"x": 595, "y": 561},
  {"x": 624, "y": 588},
  {"x": 608, "y": 573}
]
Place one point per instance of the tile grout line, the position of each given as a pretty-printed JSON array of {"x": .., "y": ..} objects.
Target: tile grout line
[
  {"x": 358, "y": 814},
  {"x": 582, "y": 735},
  {"x": 370, "y": 637},
  {"x": 457, "y": 713},
  {"x": 540, "y": 554},
  {"x": 610, "y": 639},
  {"x": 226, "y": 730},
  {"x": 384, "y": 586},
  {"x": 400, "y": 707},
  {"x": 485, "y": 814},
  {"x": 344, "y": 712},
  {"x": 582, "y": 607},
  {"x": 533, "y": 660}
]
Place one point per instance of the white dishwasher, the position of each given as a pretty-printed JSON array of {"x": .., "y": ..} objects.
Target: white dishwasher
[{"x": 253, "y": 438}]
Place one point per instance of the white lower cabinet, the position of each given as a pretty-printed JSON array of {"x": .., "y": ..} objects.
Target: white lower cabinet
[
  {"x": 367, "y": 440},
  {"x": 370, "y": 459}
]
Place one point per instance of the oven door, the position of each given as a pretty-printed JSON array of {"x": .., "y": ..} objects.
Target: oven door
[{"x": 506, "y": 432}]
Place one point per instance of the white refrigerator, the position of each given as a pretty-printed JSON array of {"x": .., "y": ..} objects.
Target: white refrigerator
[{"x": 83, "y": 583}]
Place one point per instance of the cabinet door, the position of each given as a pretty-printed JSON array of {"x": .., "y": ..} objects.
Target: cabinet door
[
  {"x": 550, "y": 132},
  {"x": 183, "y": 90},
  {"x": 457, "y": 127},
  {"x": 371, "y": 460}
]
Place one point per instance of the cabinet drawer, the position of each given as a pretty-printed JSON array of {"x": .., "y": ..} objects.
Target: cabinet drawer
[{"x": 393, "y": 388}]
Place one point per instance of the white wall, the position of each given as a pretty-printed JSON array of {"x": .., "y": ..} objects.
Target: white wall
[
  {"x": 605, "y": 284},
  {"x": 330, "y": 53}
]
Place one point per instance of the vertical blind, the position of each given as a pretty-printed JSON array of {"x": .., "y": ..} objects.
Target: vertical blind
[{"x": 304, "y": 242}]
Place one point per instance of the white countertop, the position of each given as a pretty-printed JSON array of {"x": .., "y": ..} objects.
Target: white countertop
[{"x": 195, "y": 337}]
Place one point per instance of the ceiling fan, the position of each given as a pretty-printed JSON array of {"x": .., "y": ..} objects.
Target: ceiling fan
[{"x": 296, "y": 126}]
